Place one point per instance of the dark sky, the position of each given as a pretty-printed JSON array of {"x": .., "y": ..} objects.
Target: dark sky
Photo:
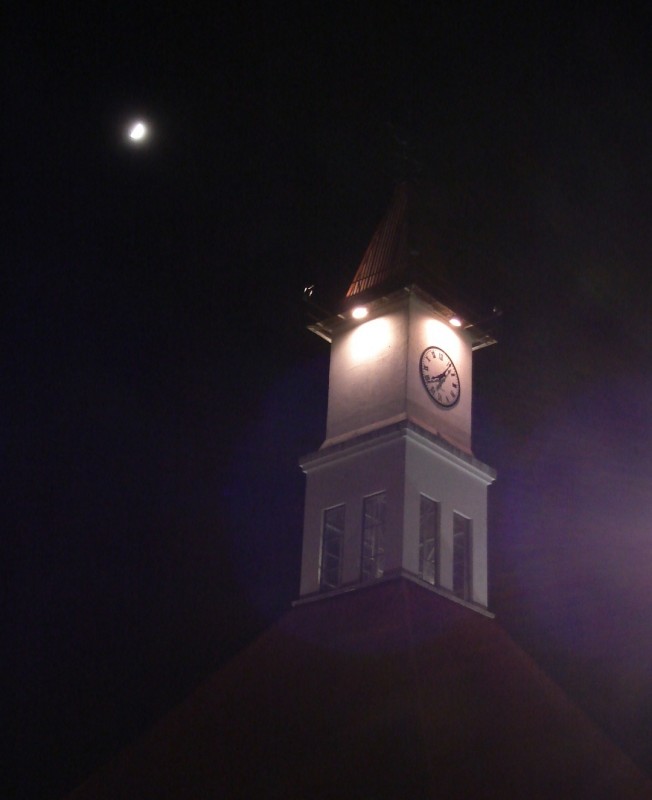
[{"x": 160, "y": 386}]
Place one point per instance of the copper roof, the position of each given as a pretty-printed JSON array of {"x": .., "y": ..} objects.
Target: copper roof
[
  {"x": 387, "y": 255},
  {"x": 406, "y": 248},
  {"x": 411, "y": 248}
]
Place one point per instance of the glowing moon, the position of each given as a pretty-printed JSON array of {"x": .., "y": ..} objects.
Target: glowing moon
[{"x": 138, "y": 131}]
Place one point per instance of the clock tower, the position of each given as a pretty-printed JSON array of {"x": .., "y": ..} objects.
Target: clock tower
[{"x": 395, "y": 490}]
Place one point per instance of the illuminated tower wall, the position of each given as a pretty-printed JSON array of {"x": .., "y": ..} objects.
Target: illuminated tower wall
[{"x": 395, "y": 489}]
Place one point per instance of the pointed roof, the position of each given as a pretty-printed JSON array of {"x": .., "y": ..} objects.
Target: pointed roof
[
  {"x": 387, "y": 256},
  {"x": 391, "y": 691},
  {"x": 406, "y": 248},
  {"x": 406, "y": 253}
]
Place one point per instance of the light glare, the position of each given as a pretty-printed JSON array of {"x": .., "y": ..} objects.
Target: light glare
[
  {"x": 456, "y": 322},
  {"x": 370, "y": 340},
  {"x": 360, "y": 312},
  {"x": 441, "y": 332}
]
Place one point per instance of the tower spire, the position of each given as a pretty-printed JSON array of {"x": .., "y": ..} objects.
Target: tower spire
[
  {"x": 386, "y": 257},
  {"x": 395, "y": 489}
]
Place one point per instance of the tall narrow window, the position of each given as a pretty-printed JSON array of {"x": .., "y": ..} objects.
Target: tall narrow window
[
  {"x": 373, "y": 537},
  {"x": 429, "y": 540},
  {"x": 332, "y": 541},
  {"x": 462, "y": 556}
]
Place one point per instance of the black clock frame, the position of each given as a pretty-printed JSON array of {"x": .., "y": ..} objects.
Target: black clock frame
[{"x": 444, "y": 406}]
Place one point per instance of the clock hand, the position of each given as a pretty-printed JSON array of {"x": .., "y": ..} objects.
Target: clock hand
[{"x": 441, "y": 376}]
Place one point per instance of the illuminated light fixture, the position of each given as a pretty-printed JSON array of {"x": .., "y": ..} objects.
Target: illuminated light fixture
[
  {"x": 359, "y": 312},
  {"x": 456, "y": 322}
]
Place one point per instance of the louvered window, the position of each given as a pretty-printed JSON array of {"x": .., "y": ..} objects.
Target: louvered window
[
  {"x": 429, "y": 540},
  {"x": 373, "y": 536},
  {"x": 330, "y": 567},
  {"x": 462, "y": 553}
]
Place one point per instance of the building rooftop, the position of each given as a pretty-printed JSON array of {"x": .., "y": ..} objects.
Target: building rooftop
[{"x": 387, "y": 692}]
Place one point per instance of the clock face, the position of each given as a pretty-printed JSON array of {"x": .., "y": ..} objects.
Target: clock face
[{"x": 439, "y": 377}]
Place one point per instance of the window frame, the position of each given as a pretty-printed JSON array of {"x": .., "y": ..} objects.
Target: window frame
[
  {"x": 373, "y": 538},
  {"x": 434, "y": 573},
  {"x": 332, "y": 532},
  {"x": 462, "y": 555}
]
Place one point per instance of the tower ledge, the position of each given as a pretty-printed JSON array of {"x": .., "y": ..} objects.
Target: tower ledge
[
  {"x": 404, "y": 428},
  {"x": 393, "y": 294},
  {"x": 396, "y": 575}
]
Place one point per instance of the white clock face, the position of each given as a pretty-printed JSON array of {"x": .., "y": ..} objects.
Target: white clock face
[{"x": 439, "y": 377}]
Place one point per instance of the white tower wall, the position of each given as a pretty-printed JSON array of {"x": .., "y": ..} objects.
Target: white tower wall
[
  {"x": 374, "y": 373},
  {"x": 385, "y": 433}
]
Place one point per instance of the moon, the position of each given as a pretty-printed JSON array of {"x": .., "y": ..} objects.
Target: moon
[{"x": 138, "y": 131}]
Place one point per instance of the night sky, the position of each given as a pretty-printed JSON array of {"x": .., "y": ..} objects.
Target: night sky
[{"x": 159, "y": 383}]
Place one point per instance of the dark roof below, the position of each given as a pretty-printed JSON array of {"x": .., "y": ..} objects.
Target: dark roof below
[{"x": 387, "y": 692}]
